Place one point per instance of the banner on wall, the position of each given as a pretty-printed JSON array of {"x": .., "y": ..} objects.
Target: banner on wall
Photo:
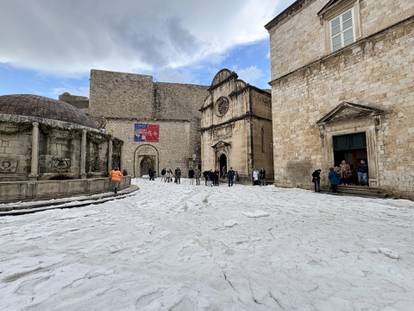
[{"x": 147, "y": 133}]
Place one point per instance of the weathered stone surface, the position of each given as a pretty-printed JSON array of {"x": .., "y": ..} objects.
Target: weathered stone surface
[
  {"x": 242, "y": 130},
  {"x": 375, "y": 72},
  {"x": 125, "y": 99}
]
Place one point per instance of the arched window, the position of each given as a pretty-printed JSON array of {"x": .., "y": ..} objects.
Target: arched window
[{"x": 262, "y": 139}]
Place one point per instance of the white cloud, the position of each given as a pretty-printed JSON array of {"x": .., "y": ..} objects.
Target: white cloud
[
  {"x": 251, "y": 75},
  {"x": 70, "y": 37}
]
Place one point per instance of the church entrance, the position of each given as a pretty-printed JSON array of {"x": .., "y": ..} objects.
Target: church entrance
[
  {"x": 352, "y": 148},
  {"x": 223, "y": 166},
  {"x": 147, "y": 162}
]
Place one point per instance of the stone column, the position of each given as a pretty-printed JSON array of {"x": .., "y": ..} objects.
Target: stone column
[
  {"x": 110, "y": 150},
  {"x": 34, "y": 170},
  {"x": 83, "y": 156}
]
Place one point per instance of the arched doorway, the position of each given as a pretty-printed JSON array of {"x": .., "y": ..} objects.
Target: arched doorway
[
  {"x": 146, "y": 157},
  {"x": 223, "y": 165},
  {"x": 147, "y": 163}
]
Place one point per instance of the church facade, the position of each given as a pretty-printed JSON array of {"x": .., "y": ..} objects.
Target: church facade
[
  {"x": 158, "y": 122},
  {"x": 343, "y": 89},
  {"x": 236, "y": 127}
]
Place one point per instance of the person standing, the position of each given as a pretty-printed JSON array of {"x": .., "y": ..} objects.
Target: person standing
[
  {"x": 191, "y": 175},
  {"x": 197, "y": 174},
  {"x": 345, "y": 172},
  {"x": 255, "y": 177},
  {"x": 151, "y": 174},
  {"x": 163, "y": 173},
  {"x": 178, "y": 175},
  {"x": 230, "y": 177},
  {"x": 216, "y": 178},
  {"x": 316, "y": 179},
  {"x": 333, "y": 179},
  {"x": 362, "y": 173},
  {"x": 206, "y": 176},
  {"x": 116, "y": 178},
  {"x": 262, "y": 177}
]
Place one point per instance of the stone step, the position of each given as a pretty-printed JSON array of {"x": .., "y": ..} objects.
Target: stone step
[{"x": 361, "y": 191}]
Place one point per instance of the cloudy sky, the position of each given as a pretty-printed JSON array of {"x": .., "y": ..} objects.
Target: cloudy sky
[{"x": 49, "y": 46}]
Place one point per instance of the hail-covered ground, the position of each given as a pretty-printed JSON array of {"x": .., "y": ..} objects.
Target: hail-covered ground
[{"x": 182, "y": 247}]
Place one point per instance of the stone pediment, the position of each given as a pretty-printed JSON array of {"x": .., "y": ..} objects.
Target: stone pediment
[
  {"x": 349, "y": 111},
  {"x": 334, "y": 5},
  {"x": 220, "y": 145}
]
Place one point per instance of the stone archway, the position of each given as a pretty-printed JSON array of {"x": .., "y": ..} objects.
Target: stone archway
[
  {"x": 146, "y": 156},
  {"x": 146, "y": 163}
]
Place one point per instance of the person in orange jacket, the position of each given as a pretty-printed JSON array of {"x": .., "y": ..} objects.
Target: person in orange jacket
[{"x": 116, "y": 178}]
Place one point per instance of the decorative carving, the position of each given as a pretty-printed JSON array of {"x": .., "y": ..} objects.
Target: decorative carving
[
  {"x": 10, "y": 128},
  {"x": 222, "y": 106},
  {"x": 8, "y": 165},
  {"x": 60, "y": 164},
  {"x": 222, "y": 133}
]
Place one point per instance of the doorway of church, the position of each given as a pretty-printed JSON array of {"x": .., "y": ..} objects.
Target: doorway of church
[
  {"x": 223, "y": 166},
  {"x": 147, "y": 163},
  {"x": 352, "y": 148}
]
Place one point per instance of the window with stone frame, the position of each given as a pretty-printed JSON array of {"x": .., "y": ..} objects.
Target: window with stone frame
[{"x": 342, "y": 30}]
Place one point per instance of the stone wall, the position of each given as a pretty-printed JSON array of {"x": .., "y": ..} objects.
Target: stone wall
[
  {"x": 15, "y": 151},
  {"x": 375, "y": 72},
  {"x": 174, "y": 148},
  {"x": 237, "y": 132},
  {"x": 125, "y": 99},
  {"x": 300, "y": 38},
  {"x": 114, "y": 94},
  {"x": 45, "y": 189}
]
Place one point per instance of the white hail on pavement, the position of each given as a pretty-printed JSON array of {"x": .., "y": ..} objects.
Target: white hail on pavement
[{"x": 182, "y": 247}]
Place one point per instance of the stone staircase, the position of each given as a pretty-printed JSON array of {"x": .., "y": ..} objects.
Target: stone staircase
[{"x": 363, "y": 191}]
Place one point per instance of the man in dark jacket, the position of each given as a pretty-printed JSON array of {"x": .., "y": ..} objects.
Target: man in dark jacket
[
  {"x": 316, "y": 179},
  {"x": 333, "y": 179},
  {"x": 151, "y": 174},
  {"x": 206, "y": 176},
  {"x": 230, "y": 177},
  {"x": 362, "y": 173},
  {"x": 177, "y": 174},
  {"x": 191, "y": 176}
]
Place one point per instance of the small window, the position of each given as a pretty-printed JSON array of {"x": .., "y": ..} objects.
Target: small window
[{"x": 342, "y": 30}]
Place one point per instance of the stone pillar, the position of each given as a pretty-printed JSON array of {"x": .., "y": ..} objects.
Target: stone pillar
[
  {"x": 83, "y": 156},
  {"x": 110, "y": 150},
  {"x": 34, "y": 168}
]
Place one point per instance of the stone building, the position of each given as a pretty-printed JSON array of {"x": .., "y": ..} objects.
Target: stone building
[
  {"x": 343, "y": 88},
  {"x": 236, "y": 127},
  {"x": 158, "y": 122},
  {"x": 50, "y": 149}
]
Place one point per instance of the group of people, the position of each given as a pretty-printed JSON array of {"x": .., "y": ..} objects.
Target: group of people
[
  {"x": 341, "y": 175},
  {"x": 167, "y": 175},
  {"x": 259, "y": 177}
]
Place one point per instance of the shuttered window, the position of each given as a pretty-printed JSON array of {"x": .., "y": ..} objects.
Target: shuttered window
[{"x": 342, "y": 30}]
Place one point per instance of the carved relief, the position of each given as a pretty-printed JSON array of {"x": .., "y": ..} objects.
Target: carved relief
[
  {"x": 8, "y": 165},
  {"x": 60, "y": 164},
  {"x": 222, "y": 133}
]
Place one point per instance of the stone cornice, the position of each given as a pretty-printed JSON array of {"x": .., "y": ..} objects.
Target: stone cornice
[
  {"x": 235, "y": 119},
  {"x": 291, "y": 11},
  {"x": 344, "y": 50},
  {"x": 48, "y": 122},
  {"x": 147, "y": 120}
]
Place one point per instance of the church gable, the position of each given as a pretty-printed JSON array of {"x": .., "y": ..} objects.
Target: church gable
[
  {"x": 349, "y": 111},
  {"x": 222, "y": 77}
]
